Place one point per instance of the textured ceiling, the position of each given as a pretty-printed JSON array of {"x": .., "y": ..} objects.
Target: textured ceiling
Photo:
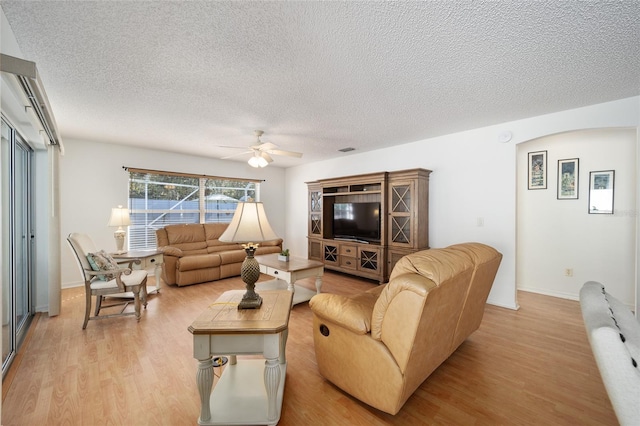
[{"x": 188, "y": 76}]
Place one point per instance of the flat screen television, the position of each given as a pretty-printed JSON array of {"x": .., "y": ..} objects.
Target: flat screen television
[{"x": 357, "y": 221}]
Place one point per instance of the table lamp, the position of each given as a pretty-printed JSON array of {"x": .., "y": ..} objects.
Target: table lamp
[
  {"x": 250, "y": 226},
  {"x": 119, "y": 218}
]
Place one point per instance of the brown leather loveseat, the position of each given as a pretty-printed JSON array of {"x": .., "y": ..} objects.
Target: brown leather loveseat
[
  {"x": 193, "y": 254},
  {"x": 380, "y": 345}
]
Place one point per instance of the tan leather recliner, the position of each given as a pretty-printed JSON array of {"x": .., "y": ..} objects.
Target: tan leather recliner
[{"x": 380, "y": 345}]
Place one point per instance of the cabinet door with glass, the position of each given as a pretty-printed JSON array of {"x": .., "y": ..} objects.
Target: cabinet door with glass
[
  {"x": 408, "y": 211},
  {"x": 401, "y": 223},
  {"x": 370, "y": 259},
  {"x": 315, "y": 212}
]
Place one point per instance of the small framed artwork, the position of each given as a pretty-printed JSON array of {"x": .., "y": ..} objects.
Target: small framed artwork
[
  {"x": 601, "y": 186},
  {"x": 537, "y": 165},
  {"x": 568, "y": 179}
]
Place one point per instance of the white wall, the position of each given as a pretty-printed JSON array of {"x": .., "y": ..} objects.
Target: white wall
[
  {"x": 474, "y": 176},
  {"x": 555, "y": 235},
  {"x": 93, "y": 181}
]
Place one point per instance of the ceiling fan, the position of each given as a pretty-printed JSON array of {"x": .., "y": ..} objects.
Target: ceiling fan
[{"x": 262, "y": 152}]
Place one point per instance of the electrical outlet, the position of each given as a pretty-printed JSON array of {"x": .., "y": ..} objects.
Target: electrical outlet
[{"x": 568, "y": 272}]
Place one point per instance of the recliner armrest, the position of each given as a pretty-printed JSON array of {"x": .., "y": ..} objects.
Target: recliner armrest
[
  {"x": 171, "y": 251},
  {"x": 352, "y": 313}
]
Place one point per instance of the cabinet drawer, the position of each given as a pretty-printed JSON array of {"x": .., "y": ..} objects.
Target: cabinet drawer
[
  {"x": 276, "y": 273},
  {"x": 348, "y": 250},
  {"x": 348, "y": 262},
  {"x": 151, "y": 261}
]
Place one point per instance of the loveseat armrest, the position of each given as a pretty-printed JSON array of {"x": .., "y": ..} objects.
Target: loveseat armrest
[
  {"x": 350, "y": 312},
  {"x": 171, "y": 251}
]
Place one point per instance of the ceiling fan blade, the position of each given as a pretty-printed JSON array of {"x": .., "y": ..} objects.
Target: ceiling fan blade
[
  {"x": 236, "y": 155},
  {"x": 266, "y": 157},
  {"x": 285, "y": 153},
  {"x": 267, "y": 146},
  {"x": 231, "y": 147}
]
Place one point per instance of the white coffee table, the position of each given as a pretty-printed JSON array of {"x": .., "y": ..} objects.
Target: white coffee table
[
  {"x": 287, "y": 273},
  {"x": 250, "y": 390}
]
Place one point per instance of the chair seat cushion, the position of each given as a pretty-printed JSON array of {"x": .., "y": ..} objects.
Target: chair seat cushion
[{"x": 136, "y": 277}]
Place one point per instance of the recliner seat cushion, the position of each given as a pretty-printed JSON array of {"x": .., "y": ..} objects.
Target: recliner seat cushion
[{"x": 198, "y": 261}]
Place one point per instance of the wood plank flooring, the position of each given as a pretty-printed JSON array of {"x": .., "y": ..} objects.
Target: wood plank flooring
[{"x": 528, "y": 367}]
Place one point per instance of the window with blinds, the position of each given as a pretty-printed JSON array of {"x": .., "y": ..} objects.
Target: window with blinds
[{"x": 157, "y": 199}]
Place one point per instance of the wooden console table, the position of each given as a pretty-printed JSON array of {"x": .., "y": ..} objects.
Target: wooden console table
[
  {"x": 249, "y": 391},
  {"x": 289, "y": 272}
]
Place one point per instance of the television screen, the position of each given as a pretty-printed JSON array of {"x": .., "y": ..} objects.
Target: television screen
[{"x": 358, "y": 221}]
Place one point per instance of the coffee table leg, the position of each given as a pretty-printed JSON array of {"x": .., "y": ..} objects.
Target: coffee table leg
[
  {"x": 283, "y": 346},
  {"x": 271, "y": 382},
  {"x": 204, "y": 379}
]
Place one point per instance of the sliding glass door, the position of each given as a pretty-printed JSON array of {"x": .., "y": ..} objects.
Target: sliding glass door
[{"x": 17, "y": 237}]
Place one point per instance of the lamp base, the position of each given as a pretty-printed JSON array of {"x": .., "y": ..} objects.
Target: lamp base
[
  {"x": 250, "y": 272},
  {"x": 250, "y": 303},
  {"x": 119, "y": 236}
]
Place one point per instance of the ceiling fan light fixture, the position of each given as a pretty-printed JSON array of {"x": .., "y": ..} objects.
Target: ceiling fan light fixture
[{"x": 258, "y": 161}]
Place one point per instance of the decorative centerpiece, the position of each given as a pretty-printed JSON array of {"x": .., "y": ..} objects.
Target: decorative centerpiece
[{"x": 284, "y": 255}]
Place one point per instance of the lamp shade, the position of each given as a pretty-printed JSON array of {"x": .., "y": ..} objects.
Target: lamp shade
[
  {"x": 119, "y": 217},
  {"x": 249, "y": 225}
]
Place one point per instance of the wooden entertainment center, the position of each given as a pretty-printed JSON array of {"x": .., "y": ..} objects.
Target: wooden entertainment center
[{"x": 404, "y": 221}]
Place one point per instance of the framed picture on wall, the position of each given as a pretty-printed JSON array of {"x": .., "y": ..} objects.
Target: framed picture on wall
[
  {"x": 568, "y": 179},
  {"x": 537, "y": 165},
  {"x": 601, "y": 186}
]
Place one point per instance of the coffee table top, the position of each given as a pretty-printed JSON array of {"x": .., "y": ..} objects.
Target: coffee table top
[
  {"x": 294, "y": 264},
  {"x": 224, "y": 317}
]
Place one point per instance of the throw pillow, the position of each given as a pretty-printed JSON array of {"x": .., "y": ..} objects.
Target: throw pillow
[{"x": 102, "y": 261}]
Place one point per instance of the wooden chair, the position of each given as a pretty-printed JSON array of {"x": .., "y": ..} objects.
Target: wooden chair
[{"x": 108, "y": 282}]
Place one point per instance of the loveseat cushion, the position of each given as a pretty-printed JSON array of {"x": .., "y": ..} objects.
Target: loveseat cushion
[
  {"x": 212, "y": 231},
  {"x": 198, "y": 261},
  {"x": 232, "y": 256},
  {"x": 186, "y": 236},
  {"x": 217, "y": 248}
]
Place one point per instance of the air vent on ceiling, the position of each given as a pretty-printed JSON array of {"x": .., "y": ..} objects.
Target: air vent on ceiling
[{"x": 347, "y": 149}]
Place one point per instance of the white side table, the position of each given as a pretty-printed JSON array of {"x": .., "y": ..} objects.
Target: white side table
[
  {"x": 149, "y": 260},
  {"x": 289, "y": 272}
]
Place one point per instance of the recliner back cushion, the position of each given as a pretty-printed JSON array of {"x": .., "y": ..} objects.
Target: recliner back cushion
[
  {"x": 438, "y": 265},
  {"x": 486, "y": 260},
  {"x": 186, "y": 237},
  {"x": 213, "y": 231},
  {"x": 424, "y": 317}
]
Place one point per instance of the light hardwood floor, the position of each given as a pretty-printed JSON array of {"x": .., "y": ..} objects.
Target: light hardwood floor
[{"x": 527, "y": 367}]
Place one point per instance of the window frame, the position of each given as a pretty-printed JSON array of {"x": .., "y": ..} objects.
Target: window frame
[{"x": 141, "y": 235}]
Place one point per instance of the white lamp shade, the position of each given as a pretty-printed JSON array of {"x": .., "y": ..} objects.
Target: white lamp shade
[
  {"x": 249, "y": 225},
  {"x": 119, "y": 217}
]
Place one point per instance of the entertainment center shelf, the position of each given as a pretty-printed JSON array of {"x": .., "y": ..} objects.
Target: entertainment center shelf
[{"x": 362, "y": 225}]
